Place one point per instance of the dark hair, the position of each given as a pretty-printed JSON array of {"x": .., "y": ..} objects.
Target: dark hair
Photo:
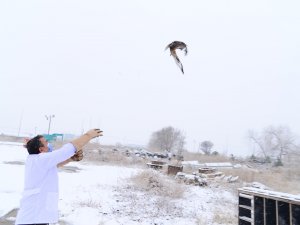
[{"x": 34, "y": 144}]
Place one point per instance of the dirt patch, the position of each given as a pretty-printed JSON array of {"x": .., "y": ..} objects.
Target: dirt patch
[
  {"x": 14, "y": 162},
  {"x": 69, "y": 169},
  {"x": 9, "y": 138},
  {"x": 10, "y": 217}
]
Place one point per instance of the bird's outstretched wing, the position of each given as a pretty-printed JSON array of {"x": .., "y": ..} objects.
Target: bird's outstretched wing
[
  {"x": 168, "y": 46},
  {"x": 173, "y": 47}
]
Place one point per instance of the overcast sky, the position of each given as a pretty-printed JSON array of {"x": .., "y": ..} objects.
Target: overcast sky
[{"x": 103, "y": 64}]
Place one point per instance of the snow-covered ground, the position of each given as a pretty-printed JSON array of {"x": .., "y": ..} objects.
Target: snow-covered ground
[{"x": 101, "y": 194}]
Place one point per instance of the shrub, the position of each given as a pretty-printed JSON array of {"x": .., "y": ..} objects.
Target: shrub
[
  {"x": 278, "y": 162},
  {"x": 155, "y": 183}
]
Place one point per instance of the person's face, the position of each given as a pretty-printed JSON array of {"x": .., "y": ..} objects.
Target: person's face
[{"x": 45, "y": 145}]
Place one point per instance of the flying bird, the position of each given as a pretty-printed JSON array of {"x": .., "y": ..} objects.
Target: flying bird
[{"x": 173, "y": 47}]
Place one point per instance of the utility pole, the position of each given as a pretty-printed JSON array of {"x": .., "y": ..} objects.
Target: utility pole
[
  {"x": 49, "y": 118},
  {"x": 20, "y": 123}
]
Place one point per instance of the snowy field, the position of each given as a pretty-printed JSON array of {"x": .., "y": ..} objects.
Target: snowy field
[{"x": 98, "y": 195}]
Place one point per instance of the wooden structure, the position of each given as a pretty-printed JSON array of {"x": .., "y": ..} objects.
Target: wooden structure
[
  {"x": 156, "y": 164},
  {"x": 219, "y": 165},
  {"x": 262, "y": 207},
  {"x": 174, "y": 169},
  {"x": 206, "y": 170}
]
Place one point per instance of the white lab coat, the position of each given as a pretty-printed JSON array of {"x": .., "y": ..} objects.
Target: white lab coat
[{"x": 39, "y": 203}]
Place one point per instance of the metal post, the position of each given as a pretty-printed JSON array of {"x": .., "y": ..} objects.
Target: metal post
[
  {"x": 20, "y": 124},
  {"x": 49, "y": 118},
  {"x": 49, "y": 124}
]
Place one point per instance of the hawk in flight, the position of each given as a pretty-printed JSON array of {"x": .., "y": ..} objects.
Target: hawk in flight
[{"x": 177, "y": 45}]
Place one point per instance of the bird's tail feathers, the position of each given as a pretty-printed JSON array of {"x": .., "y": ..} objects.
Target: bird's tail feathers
[{"x": 178, "y": 63}]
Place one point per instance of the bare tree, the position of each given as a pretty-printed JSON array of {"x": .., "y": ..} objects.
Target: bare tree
[
  {"x": 169, "y": 139},
  {"x": 206, "y": 147},
  {"x": 180, "y": 147},
  {"x": 283, "y": 141},
  {"x": 274, "y": 142},
  {"x": 261, "y": 142}
]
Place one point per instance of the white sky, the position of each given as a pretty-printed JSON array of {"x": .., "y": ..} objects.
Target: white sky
[{"x": 103, "y": 64}]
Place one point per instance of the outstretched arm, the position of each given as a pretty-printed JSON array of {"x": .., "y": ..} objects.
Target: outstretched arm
[
  {"x": 78, "y": 156},
  {"x": 78, "y": 144},
  {"x": 64, "y": 162}
]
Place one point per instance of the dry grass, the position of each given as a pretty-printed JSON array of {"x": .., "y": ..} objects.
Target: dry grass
[
  {"x": 89, "y": 203},
  {"x": 157, "y": 184},
  {"x": 271, "y": 177},
  {"x": 191, "y": 156},
  {"x": 10, "y": 138},
  {"x": 106, "y": 155},
  {"x": 246, "y": 175},
  {"x": 201, "y": 221},
  {"x": 221, "y": 217}
]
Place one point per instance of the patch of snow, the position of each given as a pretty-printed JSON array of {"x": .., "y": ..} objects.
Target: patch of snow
[
  {"x": 103, "y": 195},
  {"x": 227, "y": 164}
]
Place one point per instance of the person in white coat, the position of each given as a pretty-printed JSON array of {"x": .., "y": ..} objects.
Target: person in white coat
[{"x": 39, "y": 203}]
